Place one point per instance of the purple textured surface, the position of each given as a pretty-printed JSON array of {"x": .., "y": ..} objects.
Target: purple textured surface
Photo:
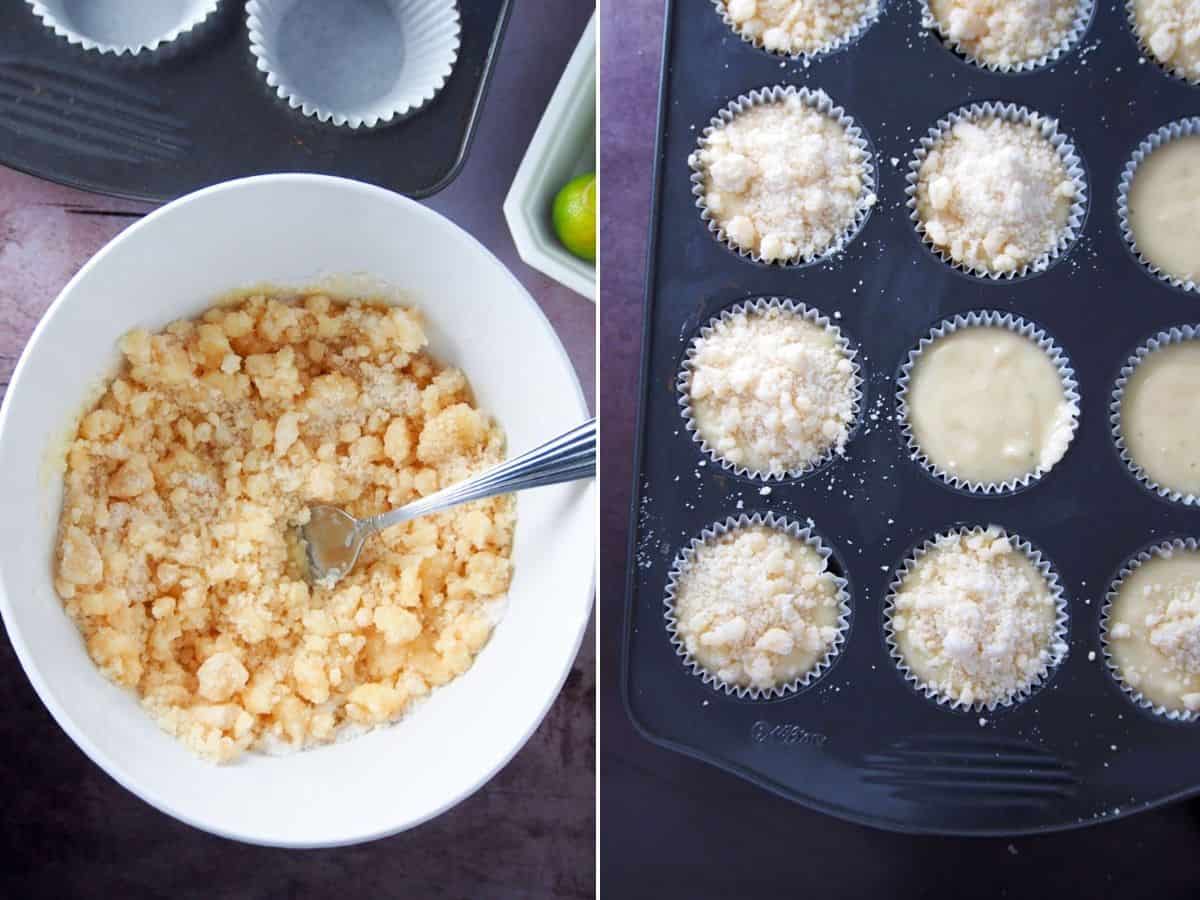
[
  {"x": 68, "y": 830},
  {"x": 672, "y": 826}
]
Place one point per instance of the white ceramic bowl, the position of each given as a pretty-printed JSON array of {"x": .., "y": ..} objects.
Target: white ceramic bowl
[{"x": 297, "y": 230}]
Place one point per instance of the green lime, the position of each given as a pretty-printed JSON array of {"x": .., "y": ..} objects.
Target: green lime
[{"x": 575, "y": 216}]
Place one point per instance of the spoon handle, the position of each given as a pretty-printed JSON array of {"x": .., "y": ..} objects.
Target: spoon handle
[{"x": 569, "y": 457}]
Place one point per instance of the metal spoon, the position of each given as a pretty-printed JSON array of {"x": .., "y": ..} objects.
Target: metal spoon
[{"x": 333, "y": 538}]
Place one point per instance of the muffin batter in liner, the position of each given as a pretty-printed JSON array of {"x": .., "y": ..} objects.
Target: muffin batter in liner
[
  {"x": 1169, "y": 132},
  {"x": 418, "y": 70},
  {"x": 993, "y": 319},
  {"x": 1176, "y": 335}
]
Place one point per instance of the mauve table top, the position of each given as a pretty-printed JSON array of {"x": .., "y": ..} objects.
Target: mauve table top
[
  {"x": 68, "y": 830},
  {"x": 673, "y": 826}
]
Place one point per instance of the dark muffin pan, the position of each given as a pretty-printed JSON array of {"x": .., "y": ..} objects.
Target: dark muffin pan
[
  {"x": 199, "y": 112},
  {"x": 859, "y": 743}
]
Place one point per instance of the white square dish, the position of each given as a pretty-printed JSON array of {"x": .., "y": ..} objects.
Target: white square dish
[{"x": 563, "y": 146}]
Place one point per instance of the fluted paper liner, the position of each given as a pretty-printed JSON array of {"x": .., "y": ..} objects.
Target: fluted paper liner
[
  {"x": 759, "y": 306},
  {"x": 1177, "y": 129},
  {"x": 1057, "y": 647},
  {"x": 1176, "y": 335},
  {"x": 422, "y": 63},
  {"x": 145, "y": 25},
  {"x": 992, "y": 319},
  {"x": 808, "y": 535}
]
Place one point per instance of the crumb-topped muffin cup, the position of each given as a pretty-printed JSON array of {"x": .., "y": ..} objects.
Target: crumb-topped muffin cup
[
  {"x": 137, "y": 29},
  {"x": 739, "y": 14},
  {"x": 1159, "y": 550},
  {"x": 1171, "y": 131},
  {"x": 1044, "y": 126},
  {"x": 388, "y": 61},
  {"x": 1175, "y": 336},
  {"x": 1146, "y": 44},
  {"x": 807, "y": 536},
  {"x": 1073, "y": 35},
  {"x": 1015, "y": 325},
  {"x": 785, "y": 307},
  {"x": 1056, "y": 644},
  {"x": 821, "y": 103}
]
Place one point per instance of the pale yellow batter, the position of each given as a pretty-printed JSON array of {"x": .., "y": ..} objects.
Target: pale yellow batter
[
  {"x": 987, "y": 404},
  {"x": 1154, "y": 630},
  {"x": 1164, "y": 207},
  {"x": 1160, "y": 417}
]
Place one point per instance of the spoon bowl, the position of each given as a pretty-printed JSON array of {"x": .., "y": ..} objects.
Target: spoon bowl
[{"x": 333, "y": 539}]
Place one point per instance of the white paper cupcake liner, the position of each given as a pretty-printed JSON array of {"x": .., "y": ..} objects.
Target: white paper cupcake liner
[
  {"x": 123, "y": 27},
  {"x": 761, "y": 305},
  {"x": 1178, "y": 334},
  {"x": 1128, "y": 567},
  {"x": 355, "y": 66},
  {"x": 993, "y": 319},
  {"x": 853, "y": 34},
  {"x": 1058, "y": 647},
  {"x": 1071, "y": 40},
  {"x": 822, "y": 103},
  {"x": 1169, "y": 132},
  {"x": 808, "y": 535},
  {"x": 1144, "y": 47},
  {"x": 1008, "y": 112}
]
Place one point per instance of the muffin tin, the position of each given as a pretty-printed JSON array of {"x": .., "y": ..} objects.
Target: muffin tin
[
  {"x": 197, "y": 111},
  {"x": 858, "y": 742}
]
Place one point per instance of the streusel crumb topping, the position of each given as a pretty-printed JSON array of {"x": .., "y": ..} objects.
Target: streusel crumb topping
[{"x": 187, "y": 478}]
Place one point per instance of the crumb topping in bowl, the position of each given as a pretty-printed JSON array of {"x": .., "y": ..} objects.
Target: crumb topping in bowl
[{"x": 182, "y": 486}]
